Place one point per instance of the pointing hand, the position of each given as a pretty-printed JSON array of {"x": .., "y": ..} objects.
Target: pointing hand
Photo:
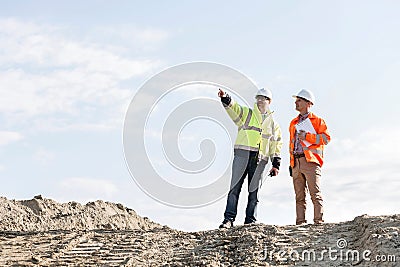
[{"x": 221, "y": 93}]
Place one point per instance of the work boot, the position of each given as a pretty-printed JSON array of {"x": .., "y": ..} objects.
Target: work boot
[{"x": 226, "y": 224}]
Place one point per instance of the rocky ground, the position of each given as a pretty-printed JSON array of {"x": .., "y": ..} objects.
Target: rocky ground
[{"x": 42, "y": 232}]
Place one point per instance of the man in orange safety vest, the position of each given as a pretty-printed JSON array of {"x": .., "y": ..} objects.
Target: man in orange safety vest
[{"x": 306, "y": 150}]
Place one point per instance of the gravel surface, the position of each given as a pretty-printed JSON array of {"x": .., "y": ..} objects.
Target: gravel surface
[{"x": 42, "y": 232}]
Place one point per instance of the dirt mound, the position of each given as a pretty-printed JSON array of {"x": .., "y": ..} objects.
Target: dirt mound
[
  {"x": 107, "y": 234},
  {"x": 40, "y": 214}
]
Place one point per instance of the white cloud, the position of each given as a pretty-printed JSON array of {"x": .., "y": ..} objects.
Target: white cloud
[
  {"x": 43, "y": 156},
  {"x": 27, "y": 43},
  {"x": 376, "y": 146},
  {"x": 361, "y": 174},
  {"x": 7, "y": 137},
  {"x": 62, "y": 91},
  {"x": 139, "y": 38},
  {"x": 45, "y": 75},
  {"x": 152, "y": 35},
  {"x": 85, "y": 189}
]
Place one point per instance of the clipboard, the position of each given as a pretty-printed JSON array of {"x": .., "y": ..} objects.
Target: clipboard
[{"x": 306, "y": 126}]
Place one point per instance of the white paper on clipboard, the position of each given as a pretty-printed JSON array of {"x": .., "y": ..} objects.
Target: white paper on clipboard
[{"x": 306, "y": 126}]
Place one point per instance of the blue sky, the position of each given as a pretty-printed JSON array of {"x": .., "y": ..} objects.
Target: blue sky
[{"x": 68, "y": 71}]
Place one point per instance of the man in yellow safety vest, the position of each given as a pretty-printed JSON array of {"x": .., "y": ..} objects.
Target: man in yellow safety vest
[{"x": 258, "y": 141}]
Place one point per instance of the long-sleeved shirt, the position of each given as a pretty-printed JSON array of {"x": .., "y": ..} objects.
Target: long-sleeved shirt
[{"x": 298, "y": 148}]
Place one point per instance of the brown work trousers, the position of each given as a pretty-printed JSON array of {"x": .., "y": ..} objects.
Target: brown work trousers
[{"x": 307, "y": 174}]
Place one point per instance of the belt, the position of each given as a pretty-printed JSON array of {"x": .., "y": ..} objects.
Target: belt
[{"x": 296, "y": 156}]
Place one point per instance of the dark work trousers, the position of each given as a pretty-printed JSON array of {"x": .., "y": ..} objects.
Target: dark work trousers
[{"x": 244, "y": 164}]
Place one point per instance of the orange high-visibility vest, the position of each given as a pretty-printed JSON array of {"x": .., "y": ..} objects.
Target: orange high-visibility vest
[{"x": 315, "y": 152}]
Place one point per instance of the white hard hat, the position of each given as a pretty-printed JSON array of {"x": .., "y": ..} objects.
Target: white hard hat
[
  {"x": 306, "y": 94},
  {"x": 265, "y": 92}
]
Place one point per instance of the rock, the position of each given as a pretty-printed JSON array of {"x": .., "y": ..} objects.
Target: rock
[{"x": 35, "y": 259}]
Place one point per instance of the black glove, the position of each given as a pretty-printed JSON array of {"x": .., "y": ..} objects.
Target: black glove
[
  {"x": 226, "y": 100},
  {"x": 276, "y": 162}
]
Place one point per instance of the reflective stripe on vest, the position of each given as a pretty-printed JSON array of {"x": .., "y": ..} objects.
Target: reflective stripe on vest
[
  {"x": 318, "y": 139},
  {"x": 250, "y": 148},
  {"x": 246, "y": 123},
  {"x": 325, "y": 138},
  {"x": 266, "y": 136},
  {"x": 315, "y": 151}
]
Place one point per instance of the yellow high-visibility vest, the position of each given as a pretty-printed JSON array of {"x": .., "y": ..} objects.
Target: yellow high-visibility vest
[{"x": 254, "y": 133}]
